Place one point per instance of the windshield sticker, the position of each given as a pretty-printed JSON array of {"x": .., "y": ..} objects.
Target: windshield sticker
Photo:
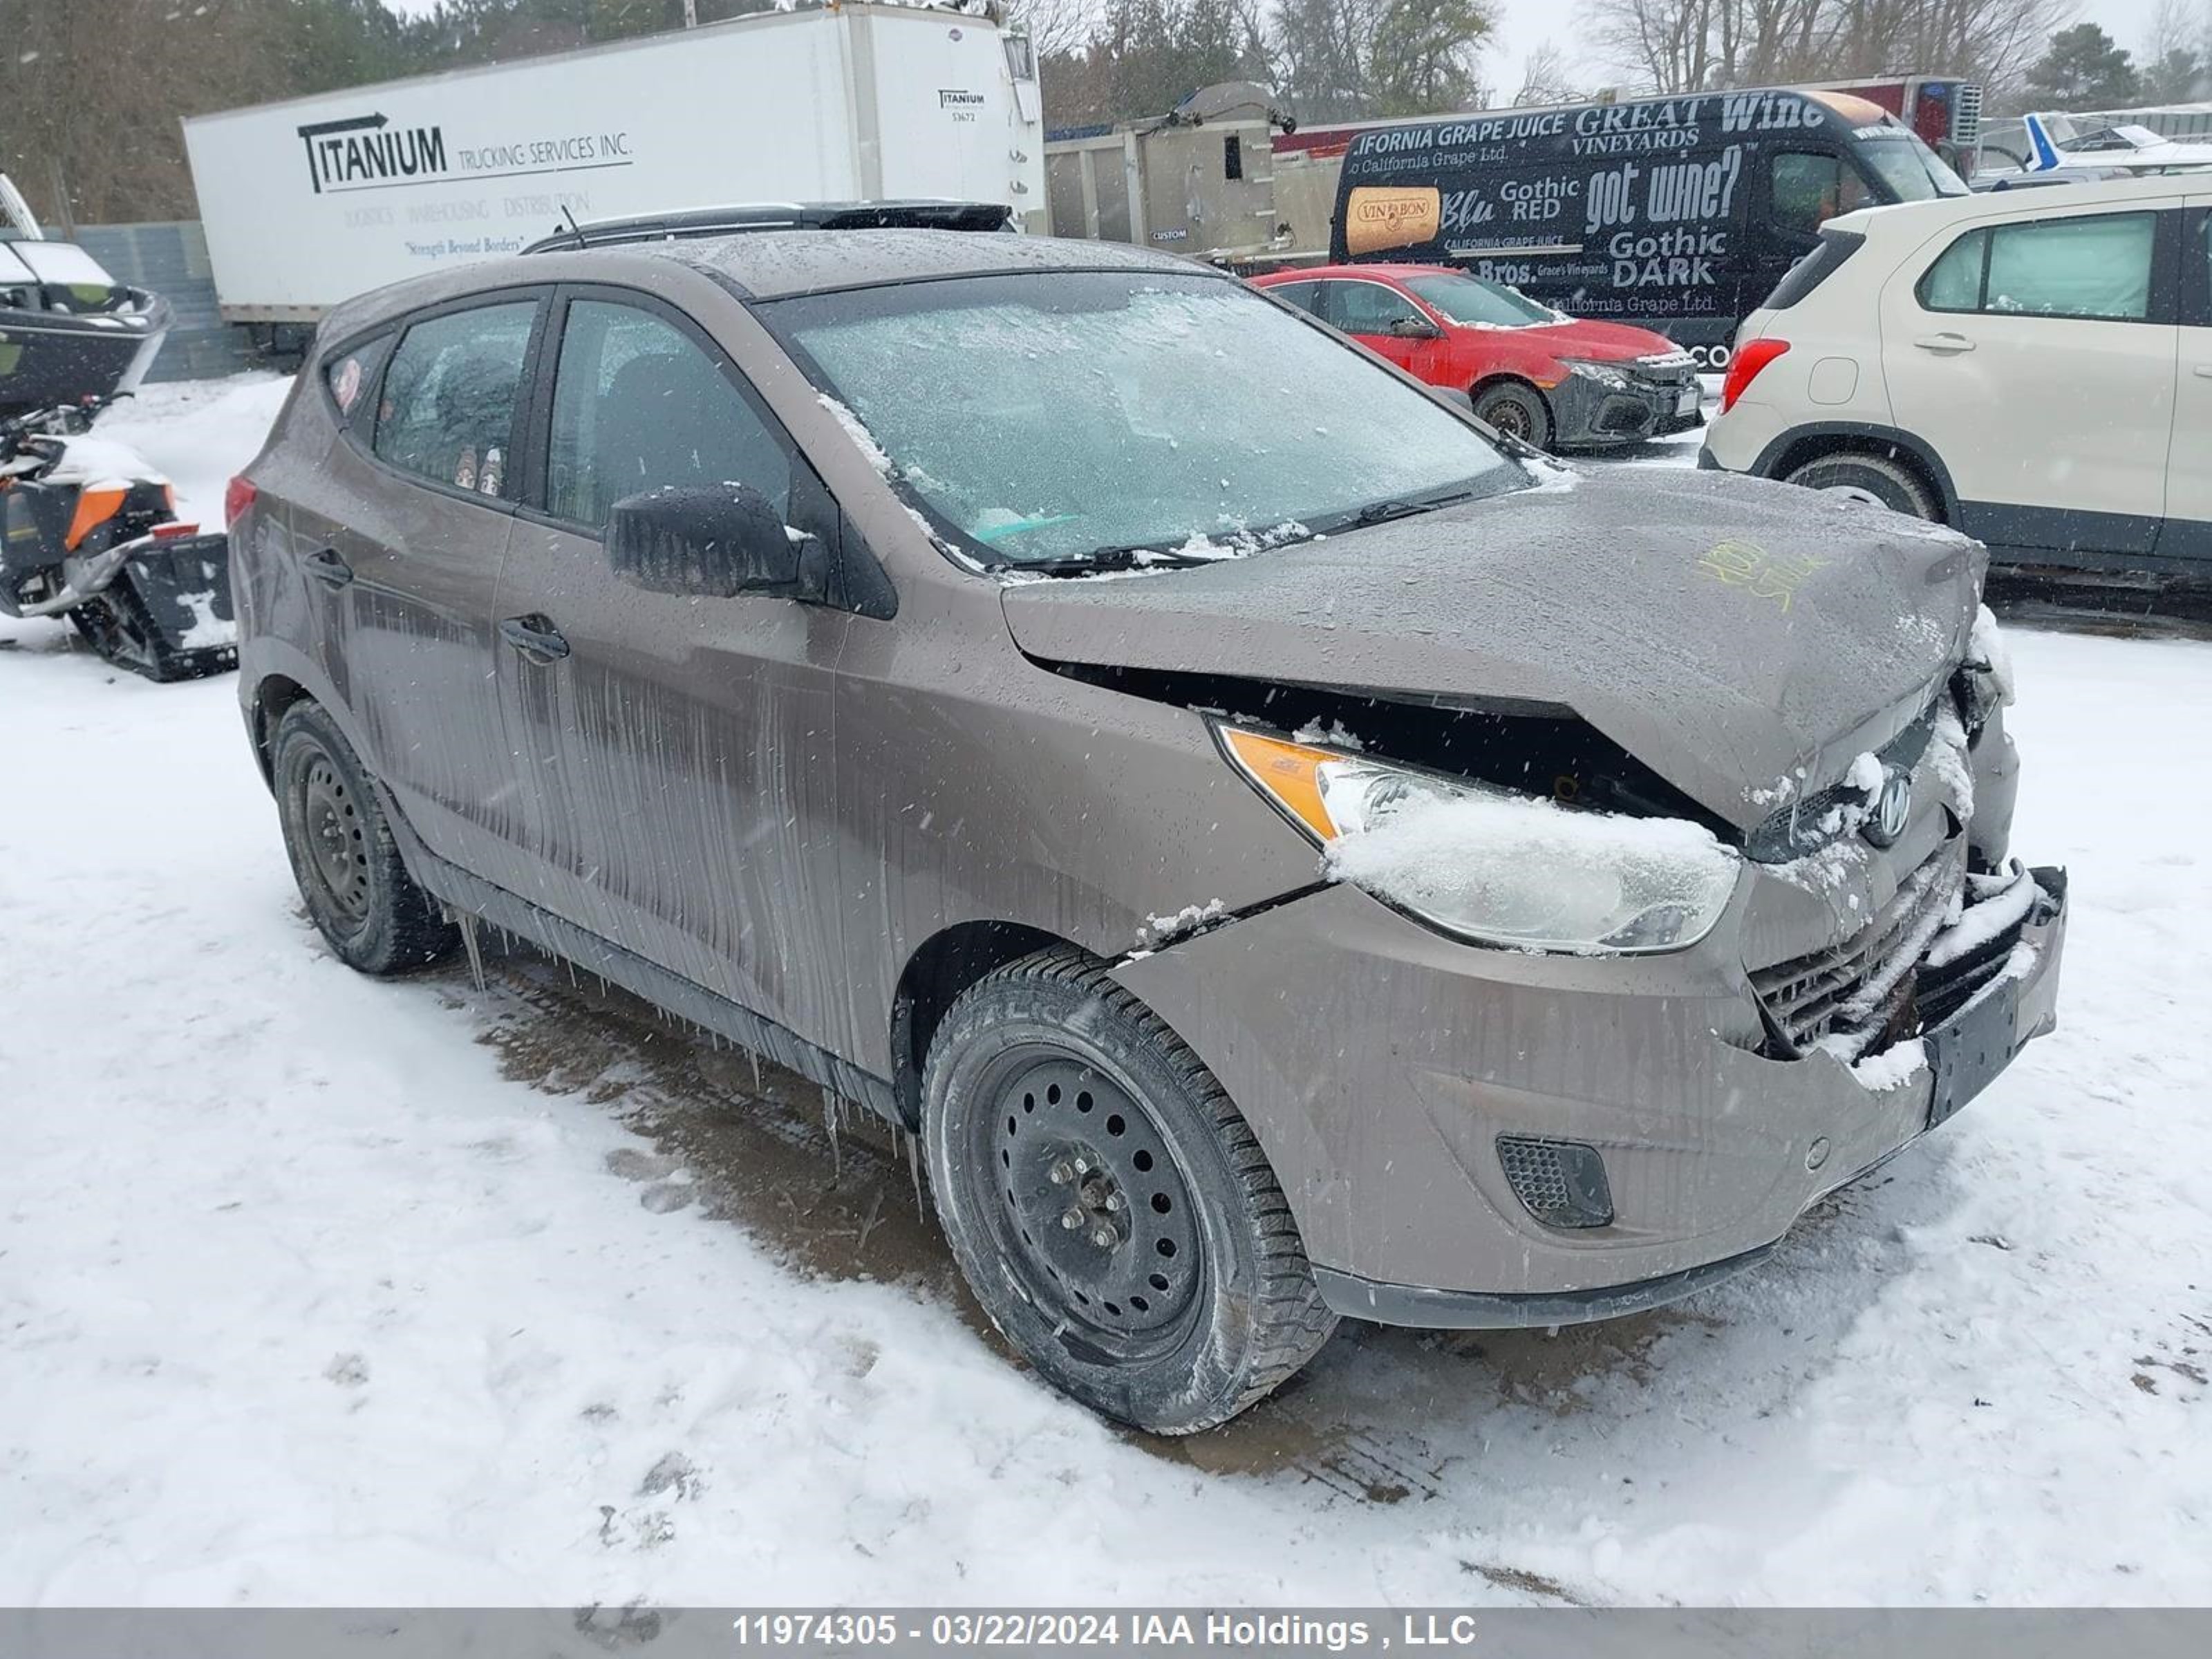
[{"x": 1761, "y": 575}]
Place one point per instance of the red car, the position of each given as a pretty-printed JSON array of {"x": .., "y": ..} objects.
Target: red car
[{"x": 1532, "y": 372}]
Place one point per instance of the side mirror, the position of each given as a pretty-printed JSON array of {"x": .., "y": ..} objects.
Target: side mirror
[
  {"x": 1416, "y": 328},
  {"x": 712, "y": 542}
]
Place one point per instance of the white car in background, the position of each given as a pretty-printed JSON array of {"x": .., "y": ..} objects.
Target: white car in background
[{"x": 2034, "y": 368}]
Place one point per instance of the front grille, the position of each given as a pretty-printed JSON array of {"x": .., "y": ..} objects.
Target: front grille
[{"x": 1862, "y": 990}]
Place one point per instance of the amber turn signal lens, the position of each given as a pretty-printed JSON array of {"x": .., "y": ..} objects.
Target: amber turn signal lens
[{"x": 1287, "y": 772}]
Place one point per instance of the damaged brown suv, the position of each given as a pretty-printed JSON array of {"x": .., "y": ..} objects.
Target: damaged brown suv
[{"x": 1286, "y": 853}]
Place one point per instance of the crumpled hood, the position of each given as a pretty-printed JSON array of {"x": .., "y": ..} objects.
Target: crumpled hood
[{"x": 1725, "y": 631}]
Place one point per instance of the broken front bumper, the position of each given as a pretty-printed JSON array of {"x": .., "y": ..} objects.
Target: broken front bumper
[
  {"x": 1379, "y": 1064},
  {"x": 1588, "y": 414}
]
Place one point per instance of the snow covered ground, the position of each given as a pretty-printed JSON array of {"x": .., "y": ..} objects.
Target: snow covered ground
[{"x": 317, "y": 1289}]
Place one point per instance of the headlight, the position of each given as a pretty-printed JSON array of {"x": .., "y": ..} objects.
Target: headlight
[
  {"x": 1490, "y": 865},
  {"x": 1604, "y": 374}
]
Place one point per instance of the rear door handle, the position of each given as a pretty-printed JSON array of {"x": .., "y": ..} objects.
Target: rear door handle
[
  {"x": 534, "y": 636},
  {"x": 1944, "y": 345},
  {"x": 327, "y": 568},
  {"x": 2203, "y": 371}
]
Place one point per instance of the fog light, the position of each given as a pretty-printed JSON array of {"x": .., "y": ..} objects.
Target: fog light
[{"x": 1561, "y": 1182}]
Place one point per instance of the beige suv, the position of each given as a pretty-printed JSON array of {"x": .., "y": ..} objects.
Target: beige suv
[{"x": 2032, "y": 366}]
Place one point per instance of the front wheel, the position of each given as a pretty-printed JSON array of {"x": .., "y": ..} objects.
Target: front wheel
[
  {"x": 1876, "y": 479},
  {"x": 1109, "y": 1207},
  {"x": 1517, "y": 411}
]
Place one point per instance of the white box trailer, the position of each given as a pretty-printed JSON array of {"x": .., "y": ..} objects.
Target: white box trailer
[{"x": 311, "y": 201}]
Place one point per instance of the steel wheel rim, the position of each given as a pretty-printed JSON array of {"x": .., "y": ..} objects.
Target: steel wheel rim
[
  {"x": 1064, "y": 1140},
  {"x": 1509, "y": 418},
  {"x": 336, "y": 846}
]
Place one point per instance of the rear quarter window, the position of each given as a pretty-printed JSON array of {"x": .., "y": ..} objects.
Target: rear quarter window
[
  {"x": 349, "y": 378},
  {"x": 1815, "y": 268}
]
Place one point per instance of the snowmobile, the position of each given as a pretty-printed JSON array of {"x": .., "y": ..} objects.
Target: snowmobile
[
  {"x": 68, "y": 328},
  {"x": 88, "y": 532}
]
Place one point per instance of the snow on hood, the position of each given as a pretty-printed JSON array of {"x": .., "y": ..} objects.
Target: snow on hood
[{"x": 1725, "y": 631}]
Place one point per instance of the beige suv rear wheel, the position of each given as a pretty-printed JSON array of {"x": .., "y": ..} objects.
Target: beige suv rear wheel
[{"x": 1866, "y": 476}]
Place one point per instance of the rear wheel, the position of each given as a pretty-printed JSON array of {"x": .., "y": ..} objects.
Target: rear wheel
[
  {"x": 1878, "y": 480},
  {"x": 1517, "y": 411},
  {"x": 358, "y": 892},
  {"x": 1109, "y": 1207}
]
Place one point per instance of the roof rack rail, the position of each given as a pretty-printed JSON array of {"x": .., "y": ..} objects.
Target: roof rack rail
[{"x": 738, "y": 218}]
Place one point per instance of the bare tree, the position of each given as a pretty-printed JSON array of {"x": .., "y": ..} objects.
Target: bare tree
[
  {"x": 1685, "y": 45},
  {"x": 1057, "y": 28},
  {"x": 1544, "y": 79}
]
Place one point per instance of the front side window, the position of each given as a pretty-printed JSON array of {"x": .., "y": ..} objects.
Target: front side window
[
  {"x": 637, "y": 404},
  {"x": 446, "y": 412},
  {"x": 2096, "y": 268},
  {"x": 1808, "y": 189},
  {"x": 1070, "y": 416},
  {"x": 1368, "y": 308}
]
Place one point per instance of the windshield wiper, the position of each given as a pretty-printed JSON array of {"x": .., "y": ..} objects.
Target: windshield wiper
[
  {"x": 1107, "y": 558},
  {"x": 1382, "y": 512}
]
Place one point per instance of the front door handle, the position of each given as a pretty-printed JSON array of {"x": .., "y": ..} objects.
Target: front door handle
[
  {"x": 534, "y": 636},
  {"x": 327, "y": 568},
  {"x": 1944, "y": 345},
  {"x": 2203, "y": 371}
]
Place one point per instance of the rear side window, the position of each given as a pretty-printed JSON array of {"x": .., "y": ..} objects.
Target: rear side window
[
  {"x": 446, "y": 412},
  {"x": 1810, "y": 189},
  {"x": 1306, "y": 296},
  {"x": 2092, "y": 268},
  {"x": 637, "y": 404}
]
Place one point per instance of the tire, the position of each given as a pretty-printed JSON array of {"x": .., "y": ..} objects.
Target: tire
[
  {"x": 358, "y": 892},
  {"x": 1869, "y": 477},
  {"x": 1517, "y": 411},
  {"x": 1184, "y": 1294}
]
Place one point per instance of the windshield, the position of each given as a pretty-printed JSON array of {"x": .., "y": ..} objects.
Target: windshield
[
  {"x": 1471, "y": 300},
  {"x": 1070, "y": 416},
  {"x": 1913, "y": 172}
]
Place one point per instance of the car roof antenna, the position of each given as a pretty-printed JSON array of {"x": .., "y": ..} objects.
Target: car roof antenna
[{"x": 568, "y": 213}]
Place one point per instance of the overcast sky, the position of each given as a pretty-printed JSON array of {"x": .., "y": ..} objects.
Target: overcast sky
[{"x": 1525, "y": 25}]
